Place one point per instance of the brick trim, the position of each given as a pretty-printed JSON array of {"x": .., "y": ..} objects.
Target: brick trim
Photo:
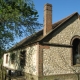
[
  {"x": 40, "y": 66},
  {"x": 74, "y": 37},
  {"x": 71, "y": 43},
  {"x": 40, "y": 58}
]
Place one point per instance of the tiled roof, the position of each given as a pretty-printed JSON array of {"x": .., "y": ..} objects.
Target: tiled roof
[
  {"x": 39, "y": 35},
  {"x": 28, "y": 40}
]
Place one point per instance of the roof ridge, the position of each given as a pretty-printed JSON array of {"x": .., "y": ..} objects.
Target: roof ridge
[
  {"x": 62, "y": 20},
  {"x": 60, "y": 23}
]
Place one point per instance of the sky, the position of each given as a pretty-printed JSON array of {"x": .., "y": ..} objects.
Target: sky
[{"x": 60, "y": 8}]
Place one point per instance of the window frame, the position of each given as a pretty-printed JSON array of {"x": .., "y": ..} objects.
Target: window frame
[
  {"x": 76, "y": 37},
  {"x": 6, "y": 58}
]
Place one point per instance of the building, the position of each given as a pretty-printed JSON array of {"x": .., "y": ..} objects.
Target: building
[{"x": 50, "y": 54}]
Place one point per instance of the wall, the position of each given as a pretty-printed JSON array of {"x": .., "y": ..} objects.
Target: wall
[
  {"x": 64, "y": 34},
  {"x": 9, "y": 65},
  {"x": 31, "y": 60},
  {"x": 58, "y": 60},
  {"x": 61, "y": 77},
  {"x": 31, "y": 66}
]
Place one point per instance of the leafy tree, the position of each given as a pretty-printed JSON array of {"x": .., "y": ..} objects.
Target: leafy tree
[
  {"x": 16, "y": 18},
  {"x": 1, "y": 53}
]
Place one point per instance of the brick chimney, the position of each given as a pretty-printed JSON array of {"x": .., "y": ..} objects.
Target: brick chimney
[{"x": 47, "y": 18}]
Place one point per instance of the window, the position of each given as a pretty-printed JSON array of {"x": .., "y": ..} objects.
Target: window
[
  {"x": 22, "y": 58},
  {"x": 15, "y": 73},
  {"x": 6, "y": 58},
  {"x": 12, "y": 56},
  {"x": 76, "y": 51}
]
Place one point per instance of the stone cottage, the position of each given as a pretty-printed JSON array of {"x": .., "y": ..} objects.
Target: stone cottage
[{"x": 50, "y": 54}]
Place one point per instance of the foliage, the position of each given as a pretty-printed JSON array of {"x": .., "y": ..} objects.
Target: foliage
[
  {"x": 16, "y": 17},
  {"x": 1, "y": 53}
]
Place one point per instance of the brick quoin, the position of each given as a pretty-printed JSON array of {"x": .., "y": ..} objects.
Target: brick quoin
[{"x": 40, "y": 64}]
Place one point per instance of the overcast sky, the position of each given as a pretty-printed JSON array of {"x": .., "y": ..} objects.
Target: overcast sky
[{"x": 61, "y": 8}]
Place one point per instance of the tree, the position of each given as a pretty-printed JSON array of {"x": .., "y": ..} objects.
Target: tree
[{"x": 16, "y": 18}]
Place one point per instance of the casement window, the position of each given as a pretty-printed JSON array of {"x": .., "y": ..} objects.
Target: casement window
[
  {"x": 12, "y": 56},
  {"x": 76, "y": 51},
  {"x": 22, "y": 58},
  {"x": 7, "y": 58}
]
